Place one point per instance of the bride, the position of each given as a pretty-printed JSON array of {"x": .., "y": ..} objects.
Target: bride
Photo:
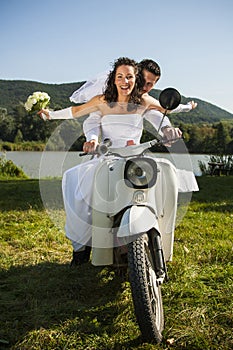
[
  {"x": 120, "y": 110},
  {"x": 123, "y": 87}
]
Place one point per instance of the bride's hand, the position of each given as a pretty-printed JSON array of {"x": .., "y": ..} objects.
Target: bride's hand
[
  {"x": 90, "y": 146},
  {"x": 44, "y": 114}
]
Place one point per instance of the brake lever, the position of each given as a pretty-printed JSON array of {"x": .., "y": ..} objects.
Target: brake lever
[
  {"x": 88, "y": 154},
  {"x": 165, "y": 141}
]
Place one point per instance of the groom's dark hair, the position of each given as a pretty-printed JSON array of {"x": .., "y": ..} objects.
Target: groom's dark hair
[{"x": 151, "y": 66}]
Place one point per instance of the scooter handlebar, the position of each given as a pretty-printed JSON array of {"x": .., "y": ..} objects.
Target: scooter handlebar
[{"x": 104, "y": 148}]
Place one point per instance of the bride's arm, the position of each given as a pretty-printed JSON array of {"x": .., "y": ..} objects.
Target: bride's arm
[
  {"x": 154, "y": 104},
  {"x": 74, "y": 111},
  {"x": 88, "y": 107},
  {"x": 151, "y": 103}
]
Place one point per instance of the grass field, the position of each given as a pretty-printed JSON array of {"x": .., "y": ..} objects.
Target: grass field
[{"x": 45, "y": 305}]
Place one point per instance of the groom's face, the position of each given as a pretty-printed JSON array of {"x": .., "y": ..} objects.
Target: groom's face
[{"x": 150, "y": 80}]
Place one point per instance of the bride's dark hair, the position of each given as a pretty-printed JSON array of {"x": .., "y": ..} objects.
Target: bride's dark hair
[{"x": 111, "y": 94}]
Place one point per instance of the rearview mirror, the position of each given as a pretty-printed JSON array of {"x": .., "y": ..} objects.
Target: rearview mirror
[{"x": 169, "y": 98}]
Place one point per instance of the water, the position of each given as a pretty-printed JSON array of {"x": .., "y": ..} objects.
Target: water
[{"x": 53, "y": 164}]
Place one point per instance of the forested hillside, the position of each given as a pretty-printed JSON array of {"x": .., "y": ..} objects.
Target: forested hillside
[
  {"x": 204, "y": 113},
  {"x": 207, "y": 129},
  {"x": 14, "y": 92}
]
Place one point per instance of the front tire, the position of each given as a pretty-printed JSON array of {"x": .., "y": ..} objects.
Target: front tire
[{"x": 146, "y": 290}]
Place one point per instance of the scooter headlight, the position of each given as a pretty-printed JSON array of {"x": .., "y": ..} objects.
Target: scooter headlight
[{"x": 140, "y": 172}]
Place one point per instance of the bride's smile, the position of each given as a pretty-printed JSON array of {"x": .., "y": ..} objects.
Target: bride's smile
[{"x": 125, "y": 81}]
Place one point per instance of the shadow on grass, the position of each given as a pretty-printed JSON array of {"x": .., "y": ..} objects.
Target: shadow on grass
[
  {"x": 52, "y": 296},
  {"x": 23, "y": 194}
]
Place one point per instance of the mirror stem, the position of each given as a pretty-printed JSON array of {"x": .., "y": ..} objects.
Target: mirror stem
[{"x": 160, "y": 125}]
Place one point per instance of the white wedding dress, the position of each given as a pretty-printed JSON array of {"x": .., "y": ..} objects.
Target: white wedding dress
[{"x": 77, "y": 183}]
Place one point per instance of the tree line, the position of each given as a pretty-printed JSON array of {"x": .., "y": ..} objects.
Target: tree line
[{"x": 18, "y": 128}]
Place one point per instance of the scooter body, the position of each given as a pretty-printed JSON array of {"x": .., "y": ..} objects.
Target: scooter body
[{"x": 140, "y": 208}]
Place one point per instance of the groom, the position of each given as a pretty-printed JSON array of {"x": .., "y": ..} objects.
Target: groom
[{"x": 151, "y": 73}]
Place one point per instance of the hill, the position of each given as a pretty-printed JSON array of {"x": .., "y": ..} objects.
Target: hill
[
  {"x": 204, "y": 113},
  {"x": 14, "y": 92}
]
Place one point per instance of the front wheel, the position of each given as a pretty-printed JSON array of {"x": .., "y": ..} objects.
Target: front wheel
[{"x": 146, "y": 291}]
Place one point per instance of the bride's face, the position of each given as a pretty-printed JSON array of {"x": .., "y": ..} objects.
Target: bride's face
[{"x": 125, "y": 80}]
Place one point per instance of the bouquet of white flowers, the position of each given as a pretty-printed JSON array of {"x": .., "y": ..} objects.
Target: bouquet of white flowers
[{"x": 37, "y": 101}]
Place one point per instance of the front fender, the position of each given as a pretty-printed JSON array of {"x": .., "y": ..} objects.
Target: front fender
[{"x": 137, "y": 219}]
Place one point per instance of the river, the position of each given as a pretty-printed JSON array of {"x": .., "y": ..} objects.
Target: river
[{"x": 53, "y": 164}]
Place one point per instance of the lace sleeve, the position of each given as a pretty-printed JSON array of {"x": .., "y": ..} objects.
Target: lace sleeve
[{"x": 91, "y": 126}]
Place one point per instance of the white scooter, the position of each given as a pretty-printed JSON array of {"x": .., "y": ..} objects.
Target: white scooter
[{"x": 133, "y": 219}]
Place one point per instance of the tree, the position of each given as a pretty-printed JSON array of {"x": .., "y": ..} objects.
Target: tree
[
  {"x": 222, "y": 138},
  {"x": 194, "y": 144},
  {"x": 18, "y": 136},
  {"x": 70, "y": 131},
  {"x": 3, "y": 112},
  {"x": 32, "y": 126},
  {"x": 7, "y": 128}
]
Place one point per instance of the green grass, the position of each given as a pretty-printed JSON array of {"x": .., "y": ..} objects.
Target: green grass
[{"x": 45, "y": 305}]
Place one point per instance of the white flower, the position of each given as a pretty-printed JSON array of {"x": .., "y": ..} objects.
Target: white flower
[{"x": 37, "y": 101}]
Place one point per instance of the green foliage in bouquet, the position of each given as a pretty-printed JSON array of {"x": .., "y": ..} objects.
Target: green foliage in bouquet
[{"x": 36, "y": 102}]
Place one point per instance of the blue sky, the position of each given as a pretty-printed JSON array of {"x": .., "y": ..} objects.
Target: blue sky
[{"x": 67, "y": 41}]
